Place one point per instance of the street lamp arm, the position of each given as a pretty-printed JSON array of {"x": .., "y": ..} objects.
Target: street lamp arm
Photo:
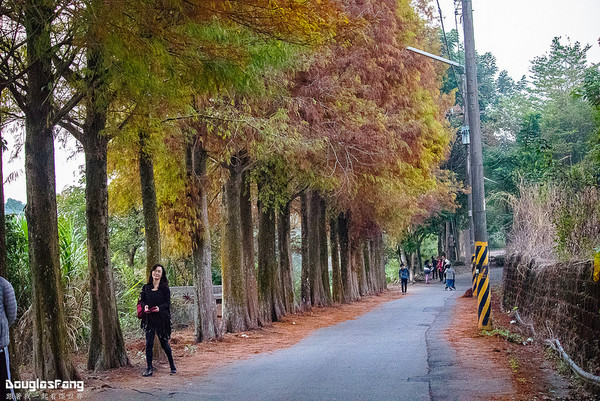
[{"x": 433, "y": 56}]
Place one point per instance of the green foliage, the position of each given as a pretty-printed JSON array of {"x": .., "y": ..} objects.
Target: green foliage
[
  {"x": 557, "y": 73},
  {"x": 73, "y": 256},
  {"x": 568, "y": 124},
  {"x": 71, "y": 204},
  {"x": 591, "y": 87},
  {"x": 17, "y": 250},
  {"x": 503, "y": 333},
  {"x": 429, "y": 247},
  {"x": 540, "y": 133},
  {"x": 73, "y": 251},
  {"x": 75, "y": 277},
  {"x": 532, "y": 154},
  {"x": 74, "y": 274},
  {"x": 391, "y": 269},
  {"x": 215, "y": 244},
  {"x": 128, "y": 285},
  {"x": 273, "y": 178},
  {"x": 575, "y": 217},
  {"x": 127, "y": 238}
]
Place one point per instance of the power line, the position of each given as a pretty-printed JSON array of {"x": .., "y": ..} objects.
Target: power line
[
  {"x": 446, "y": 43},
  {"x": 443, "y": 30},
  {"x": 456, "y": 13}
]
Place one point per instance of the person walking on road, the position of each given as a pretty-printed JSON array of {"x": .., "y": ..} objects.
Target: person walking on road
[
  {"x": 433, "y": 268},
  {"x": 427, "y": 271},
  {"x": 445, "y": 265},
  {"x": 450, "y": 275},
  {"x": 440, "y": 268},
  {"x": 156, "y": 302},
  {"x": 404, "y": 276}
]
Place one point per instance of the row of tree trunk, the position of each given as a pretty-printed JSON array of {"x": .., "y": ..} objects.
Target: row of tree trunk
[{"x": 256, "y": 295}]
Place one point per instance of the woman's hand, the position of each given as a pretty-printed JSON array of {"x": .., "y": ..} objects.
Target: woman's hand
[{"x": 154, "y": 309}]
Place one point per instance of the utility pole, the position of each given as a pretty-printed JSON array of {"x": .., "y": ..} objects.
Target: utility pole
[
  {"x": 479, "y": 214},
  {"x": 466, "y": 140}
]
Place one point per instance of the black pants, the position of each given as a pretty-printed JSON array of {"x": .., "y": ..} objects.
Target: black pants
[
  {"x": 164, "y": 343},
  {"x": 404, "y": 282},
  {"x": 5, "y": 374}
]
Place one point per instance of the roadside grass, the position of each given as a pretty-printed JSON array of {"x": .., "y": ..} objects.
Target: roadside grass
[{"x": 505, "y": 334}]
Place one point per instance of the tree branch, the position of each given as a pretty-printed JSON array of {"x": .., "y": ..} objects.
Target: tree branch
[
  {"x": 74, "y": 101},
  {"x": 72, "y": 129}
]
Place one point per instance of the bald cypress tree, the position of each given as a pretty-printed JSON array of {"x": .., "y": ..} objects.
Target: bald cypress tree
[{"x": 51, "y": 354}]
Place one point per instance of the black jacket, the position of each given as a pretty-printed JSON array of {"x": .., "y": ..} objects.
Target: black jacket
[{"x": 159, "y": 321}]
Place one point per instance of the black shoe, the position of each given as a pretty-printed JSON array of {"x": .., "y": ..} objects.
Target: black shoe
[
  {"x": 173, "y": 371},
  {"x": 147, "y": 373}
]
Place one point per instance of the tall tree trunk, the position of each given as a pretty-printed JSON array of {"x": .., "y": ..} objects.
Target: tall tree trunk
[
  {"x": 150, "y": 205},
  {"x": 403, "y": 256},
  {"x": 456, "y": 239},
  {"x": 440, "y": 240},
  {"x": 51, "y": 355},
  {"x": 107, "y": 347},
  {"x": 285, "y": 257},
  {"x": 368, "y": 267},
  {"x": 131, "y": 257},
  {"x": 413, "y": 262},
  {"x": 235, "y": 307},
  {"x": 419, "y": 264},
  {"x": 206, "y": 327},
  {"x": 151, "y": 221},
  {"x": 447, "y": 240},
  {"x": 269, "y": 279},
  {"x": 379, "y": 261},
  {"x": 323, "y": 251},
  {"x": 248, "y": 251},
  {"x": 317, "y": 292},
  {"x": 305, "y": 290},
  {"x": 337, "y": 288},
  {"x": 345, "y": 258},
  {"x": 359, "y": 263}
]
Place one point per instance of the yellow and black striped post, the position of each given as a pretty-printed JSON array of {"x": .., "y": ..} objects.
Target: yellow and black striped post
[
  {"x": 483, "y": 286},
  {"x": 474, "y": 273}
]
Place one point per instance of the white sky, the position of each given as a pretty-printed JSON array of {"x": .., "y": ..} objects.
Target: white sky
[{"x": 515, "y": 31}]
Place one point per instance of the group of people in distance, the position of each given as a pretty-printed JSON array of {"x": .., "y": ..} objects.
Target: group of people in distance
[{"x": 439, "y": 267}]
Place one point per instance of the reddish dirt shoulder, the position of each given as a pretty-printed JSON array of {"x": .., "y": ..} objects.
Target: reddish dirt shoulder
[{"x": 507, "y": 350}]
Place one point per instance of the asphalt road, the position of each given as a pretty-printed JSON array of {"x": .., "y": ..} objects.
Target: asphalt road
[{"x": 395, "y": 352}]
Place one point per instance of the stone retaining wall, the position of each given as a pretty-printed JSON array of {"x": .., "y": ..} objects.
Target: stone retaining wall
[
  {"x": 183, "y": 304},
  {"x": 561, "y": 301}
]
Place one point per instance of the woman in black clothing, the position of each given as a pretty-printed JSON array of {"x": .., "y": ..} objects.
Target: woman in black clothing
[{"x": 156, "y": 301}]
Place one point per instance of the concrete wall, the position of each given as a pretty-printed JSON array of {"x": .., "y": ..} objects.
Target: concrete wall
[
  {"x": 562, "y": 301},
  {"x": 183, "y": 304}
]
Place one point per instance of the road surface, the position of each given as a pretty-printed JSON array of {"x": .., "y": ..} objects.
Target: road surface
[{"x": 395, "y": 352}]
